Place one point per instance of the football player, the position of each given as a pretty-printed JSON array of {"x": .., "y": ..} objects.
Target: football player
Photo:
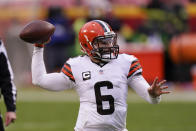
[{"x": 101, "y": 79}]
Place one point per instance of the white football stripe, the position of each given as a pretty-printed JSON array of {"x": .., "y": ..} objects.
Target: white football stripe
[{"x": 105, "y": 25}]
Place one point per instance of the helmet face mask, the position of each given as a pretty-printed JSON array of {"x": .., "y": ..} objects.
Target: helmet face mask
[{"x": 105, "y": 48}]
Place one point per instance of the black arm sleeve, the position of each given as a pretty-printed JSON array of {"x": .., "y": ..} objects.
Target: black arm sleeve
[{"x": 7, "y": 86}]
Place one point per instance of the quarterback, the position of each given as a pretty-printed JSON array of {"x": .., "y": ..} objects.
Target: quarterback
[{"x": 101, "y": 79}]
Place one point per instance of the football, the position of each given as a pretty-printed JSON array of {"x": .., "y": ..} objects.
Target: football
[{"x": 37, "y": 31}]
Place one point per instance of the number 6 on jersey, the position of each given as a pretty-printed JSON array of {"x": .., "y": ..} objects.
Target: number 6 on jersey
[{"x": 100, "y": 98}]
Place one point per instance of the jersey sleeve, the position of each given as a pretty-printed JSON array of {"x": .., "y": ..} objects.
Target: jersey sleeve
[
  {"x": 49, "y": 81},
  {"x": 135, "y": 68}
]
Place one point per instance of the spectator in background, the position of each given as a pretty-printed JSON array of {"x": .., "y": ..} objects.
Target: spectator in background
[
  {"x": 7, "y": 88},
  {"x": 165, "y": 19},
  {"x": 60, "y": 47},
  {"x": 168, "y": 18}
]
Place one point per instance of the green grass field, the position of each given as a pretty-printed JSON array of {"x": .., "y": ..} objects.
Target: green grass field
[{"x": 39, "y": 110}]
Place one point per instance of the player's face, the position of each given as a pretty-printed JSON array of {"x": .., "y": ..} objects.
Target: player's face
[{"x": 105, "y": 47}]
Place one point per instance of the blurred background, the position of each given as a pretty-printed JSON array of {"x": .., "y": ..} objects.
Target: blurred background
[{"x": 161, "y": 33}]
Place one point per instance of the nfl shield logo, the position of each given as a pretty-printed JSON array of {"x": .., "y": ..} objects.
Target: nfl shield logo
[{"x": 101, "y": 71}]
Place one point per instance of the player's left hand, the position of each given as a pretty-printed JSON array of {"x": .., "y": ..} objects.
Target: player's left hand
[
  {"x": 156, "y": 89},
  {"x": 9, "y": 117}
]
